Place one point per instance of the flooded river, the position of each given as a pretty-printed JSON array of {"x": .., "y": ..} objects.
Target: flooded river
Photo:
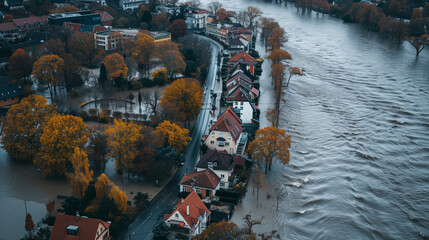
[{"x": 360, "y": 124}]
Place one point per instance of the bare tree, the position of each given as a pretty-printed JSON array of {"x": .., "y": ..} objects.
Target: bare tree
[
  {"x": 242, "y": 18},
  {"x": 280, "y": 195},
  {"x": 253, "y": 14},
  {"x": 215, "y": 6},
  {"x": 250, "y": 222},
  {"x": 193, "y": 3},
  {"x": 151, "y": 101}
]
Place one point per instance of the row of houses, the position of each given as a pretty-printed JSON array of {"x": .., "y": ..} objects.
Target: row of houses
[{"x": 226, "y": 141}]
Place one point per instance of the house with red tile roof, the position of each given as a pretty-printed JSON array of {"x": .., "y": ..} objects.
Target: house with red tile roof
[
  {"x": 10, "y": 31},
  {"x": 68, "y": 227},
  {"x": 225, "y": 134},
  {"x": 205, "y": 183},
  {"x": 106, "y": 18},
  {"x": 245, "y": 59},
  {"x": 190, "y": 217},
  {"x": 221, "y": 163}
]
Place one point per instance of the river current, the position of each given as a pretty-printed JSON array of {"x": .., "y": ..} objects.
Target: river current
[{"x": 359, "y": 121}]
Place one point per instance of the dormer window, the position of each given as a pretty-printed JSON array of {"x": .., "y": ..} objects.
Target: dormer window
[
  {"x": 176, "y": 215},
  {"x": 215, "y": 164}
]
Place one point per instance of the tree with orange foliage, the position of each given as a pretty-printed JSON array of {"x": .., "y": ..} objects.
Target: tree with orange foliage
[
  {"x": 60, "y": 137},
  {"x": 82, "y": 176},
  {"x": 29, "y": 224},
  {"x": 174, "y": 62},
  {"x": 270, "y": 143},
  {"x": 82, "y": 47},
  {"x": 160, "y": 21},
  {"x": 144, "y": 46},
  {"x": 185, "y": 96},
  {"x": 54, "y": 46},
  {"x": 178, "y": 28},
  {"x": 49, "y": 69},
  {"x": 105, "y": 188},
  {"x": 276, "y": 39},
  {"x": 159, "y": 76},
  {"x": 279, "y": 55},
  {"x": 173, "y": 135},
  {"x": 267, "y": 27},
  {"x": 122, "y": 141},
  {"x": 20, "y": 67},
  {"x": 24, "y": 125},
  {"x": 65, "y": 8},
  {"x": 419, "y": 43},
  {"x": 294, "y": 71},
  {"x": 97, "y": 149},
  {"x": 116, "y": 68}
]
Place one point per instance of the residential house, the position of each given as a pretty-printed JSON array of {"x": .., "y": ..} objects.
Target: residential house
[
  {"x": 13, "y": 4},
  {"x": 214, "y": 24},
  {"x": 190, "y": 217},
  {"x": 9, "y": 94},
  {"x": 9, "y": 31},
  {"x": 243, "y": 104},
  {"x": 82, "y": 17},
  {"x": 160, "y": 36},
  {"x": 205, "y": 183},
  {"x": 225, "y": 134},
  {"x": 106, "y": 18},
  {"x": 220, "y": 162},
  {"x": 168, "y": 8},
  {"x": 196, "y": 18},
  {"x": 245, "y": 59},
  {"x": 131, "y": 5},
  {"x": 79, "y": 228}
]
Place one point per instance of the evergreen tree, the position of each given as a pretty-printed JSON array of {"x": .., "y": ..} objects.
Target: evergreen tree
[{"x": 102, "y": 79}]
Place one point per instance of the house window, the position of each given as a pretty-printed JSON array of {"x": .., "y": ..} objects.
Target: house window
[
  {"x": 198, "y": 190},
  {"x": 215, "y": 164},
  {"x": 222, "y": 184},
  {"x": 241, "y": 103},
  {"x": 222, "y": 176},
  {"x": 226, "y": 143},
  {"x": 213, "y": 133},
  {"x": 221, "y": 143},
  {"x": 211, "y": 142},
  {"x": 176, "y": 215}
]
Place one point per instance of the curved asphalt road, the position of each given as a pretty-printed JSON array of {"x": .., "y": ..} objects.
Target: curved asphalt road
[{"x": 142, "y": 227}]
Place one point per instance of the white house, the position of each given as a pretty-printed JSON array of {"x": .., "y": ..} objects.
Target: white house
[
  {"x": 196, "y": 19},
  {"x": 190, "y": 217},
  {"x": 221, "y": 163},
  {"x": 130, "y": 5},
  {"x": 242, "y": 102},
  {"x": 225, "y": 134}
]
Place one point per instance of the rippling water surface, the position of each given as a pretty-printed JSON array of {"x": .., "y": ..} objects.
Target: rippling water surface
[{"x": 360, "y": 125}]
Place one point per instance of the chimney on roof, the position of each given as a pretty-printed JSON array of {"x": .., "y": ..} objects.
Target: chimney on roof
[
  {"x": 77, "y": 216},
  {"x": 187, "y": 209}
]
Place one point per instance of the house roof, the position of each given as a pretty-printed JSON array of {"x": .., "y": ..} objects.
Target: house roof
[
  {"x": 203, "y": 179},
  {"x": 242, "y": 55},
  {"x": 223, "y": 159},
  {"x": 99, "y": 29},
  {"x": 7, "y": 26},
  {"x": 105, "y": 16},
  {"x": 235, "y": 41},
  {"x": 236, "y": 84},
  {"x": 75, "y": 27},
  {"x": 228, "y": 122},
  {"x": 8, "y": 90},
  {"x": 86, "y": 29},
  {"x": 239, "y": 160},
  {"x": 196, "y": 209},
  {"x": 20, "y": 22},
  {"x": 237, "y": 67},
  {"x": 87, "y": 227}
]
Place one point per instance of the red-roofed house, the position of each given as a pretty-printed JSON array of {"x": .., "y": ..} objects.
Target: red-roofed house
[
  {"x": 68, "y": 227},
  {"x": 10, "y": 31},
  {"x": 205, "y": 183},
  {"x": 74, "y": 27},
  {"x": 244, "y": 58},
  {"x": 29, "y": 23},
  {"x": 225, "y": 134},
  {"x": 190, "y": 217},
  {"x": 221, "y": 163},
  {"x": 106, "y": 18}
]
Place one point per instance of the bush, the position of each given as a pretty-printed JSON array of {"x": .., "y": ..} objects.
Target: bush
[
  {"x": 104, "y": 116},
  {"x": 84, "y": 115},
  {"x": 117, "y": 114},
  {"x": 93, "y": 112}
]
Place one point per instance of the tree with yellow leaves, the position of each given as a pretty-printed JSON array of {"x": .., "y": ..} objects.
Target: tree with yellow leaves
[
  {"x": 184, "y": 96},
  {"x": 49, "y": 69},
  {"x": 24, "y": 125},
  {"x": 159, "y": 76},
  {"x": 116, "y": 68},
  {"x": 105, "y": 188},
  {"x": 144, "y": 46},
  {"x": 270, "y": 143},
  {"x": 82, "y": 176},
  {"x": 173, "y": 135},
  {"x": 174, "y": 62},
  {"x": 278, "y": 55},
  {"x": 122, "y": 141},
  {"x": 59, "y": 139}
]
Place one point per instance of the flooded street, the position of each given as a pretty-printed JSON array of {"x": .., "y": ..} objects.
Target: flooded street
[{"x": 359, "y": 121}]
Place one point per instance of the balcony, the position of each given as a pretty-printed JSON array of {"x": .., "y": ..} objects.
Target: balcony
[{"x": 178, "y": 229}]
